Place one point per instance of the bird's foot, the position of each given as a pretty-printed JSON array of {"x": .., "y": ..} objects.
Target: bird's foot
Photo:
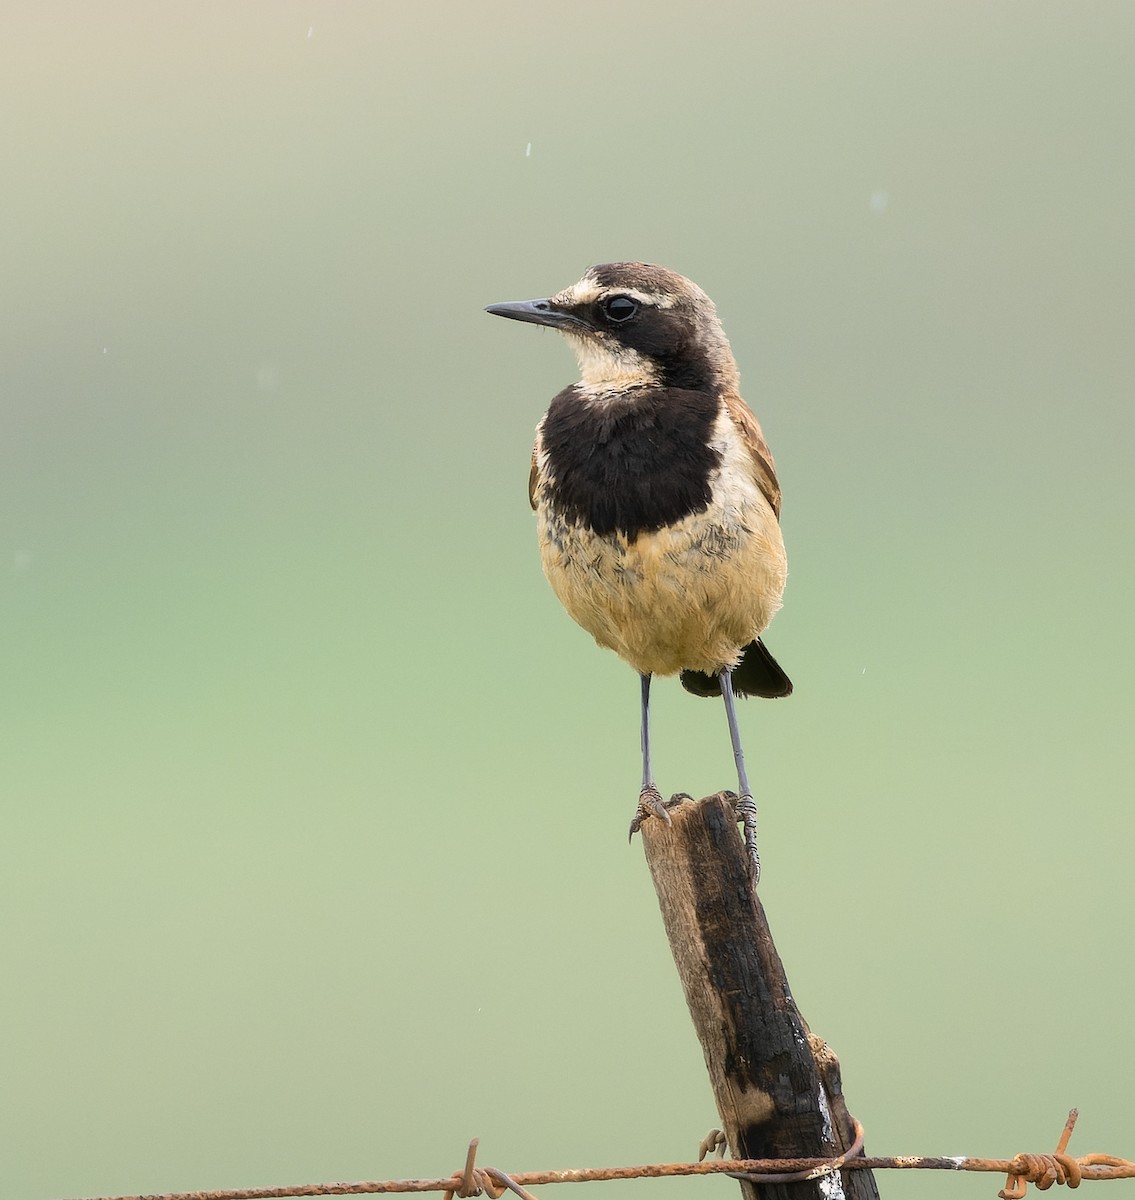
[
  {"x": 651, "y": 804},
  {"x": 746, "y": 810}
]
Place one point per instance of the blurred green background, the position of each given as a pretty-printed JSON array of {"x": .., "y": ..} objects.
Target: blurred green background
[{"x": 314, "y": 860}]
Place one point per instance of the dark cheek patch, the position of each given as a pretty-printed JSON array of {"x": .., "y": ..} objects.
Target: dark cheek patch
[
  {"x": 634, "y": 466},
  {"x": 668, "y": 338}
]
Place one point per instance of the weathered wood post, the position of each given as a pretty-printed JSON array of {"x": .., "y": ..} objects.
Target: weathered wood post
[{"x": 777, "y": 1087}]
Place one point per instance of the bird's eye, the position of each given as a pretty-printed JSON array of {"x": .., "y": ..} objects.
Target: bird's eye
[{"x": 619, "y": 308}]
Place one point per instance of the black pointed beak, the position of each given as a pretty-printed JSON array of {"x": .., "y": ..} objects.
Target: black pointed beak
[{"x": 536, "y": 312}]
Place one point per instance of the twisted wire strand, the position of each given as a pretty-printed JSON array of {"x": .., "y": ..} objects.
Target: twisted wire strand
[{"x": 1041, "y": 1170}]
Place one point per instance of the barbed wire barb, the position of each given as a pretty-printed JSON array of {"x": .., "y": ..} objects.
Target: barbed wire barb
[{"x": 1044, "y": 1169}]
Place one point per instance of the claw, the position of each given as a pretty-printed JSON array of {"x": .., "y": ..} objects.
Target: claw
[
  {"x": 746, "y": 810},
  {"x": 650, "y": 804}
]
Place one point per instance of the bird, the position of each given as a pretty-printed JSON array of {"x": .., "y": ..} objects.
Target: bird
[{"x": 656, "y": 498}]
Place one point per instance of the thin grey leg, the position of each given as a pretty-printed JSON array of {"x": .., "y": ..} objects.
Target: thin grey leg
[
  {"x": 746, "y": 805},
  {"x": 647, "y": 770},
  {"x": 650, "y": 802}
]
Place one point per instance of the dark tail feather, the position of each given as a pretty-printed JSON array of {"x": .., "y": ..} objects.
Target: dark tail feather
[{"x": 757, "y": 674}]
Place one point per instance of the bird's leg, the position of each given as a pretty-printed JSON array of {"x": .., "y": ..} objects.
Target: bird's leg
[
  {"x": 746, "y": 805},
  {"x": 650, "y": 802}
]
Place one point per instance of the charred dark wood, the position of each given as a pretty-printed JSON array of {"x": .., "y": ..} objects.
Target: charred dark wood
[{"x": 777, "y": 1087}]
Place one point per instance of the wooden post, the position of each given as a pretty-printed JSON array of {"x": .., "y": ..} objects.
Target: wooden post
[{"x": 777, "y": 1086}]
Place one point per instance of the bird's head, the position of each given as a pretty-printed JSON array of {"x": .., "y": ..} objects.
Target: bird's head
[{"x": 634, "y": 325}]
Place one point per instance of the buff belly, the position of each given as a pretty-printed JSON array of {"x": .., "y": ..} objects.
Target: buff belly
[{"x": 690, "y": 596}]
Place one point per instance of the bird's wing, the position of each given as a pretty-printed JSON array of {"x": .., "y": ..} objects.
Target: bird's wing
[{"x": 764, "y": 469}]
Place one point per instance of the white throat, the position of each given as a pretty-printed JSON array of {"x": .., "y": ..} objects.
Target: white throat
[{"x": 605, "y": 365}]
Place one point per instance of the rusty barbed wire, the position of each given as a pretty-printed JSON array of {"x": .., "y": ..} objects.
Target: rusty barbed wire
[
  {"x": 474, "y": 1180},
  {"x": 1042, "y": 1170},
  {"x": 807, "y": 1173}
]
